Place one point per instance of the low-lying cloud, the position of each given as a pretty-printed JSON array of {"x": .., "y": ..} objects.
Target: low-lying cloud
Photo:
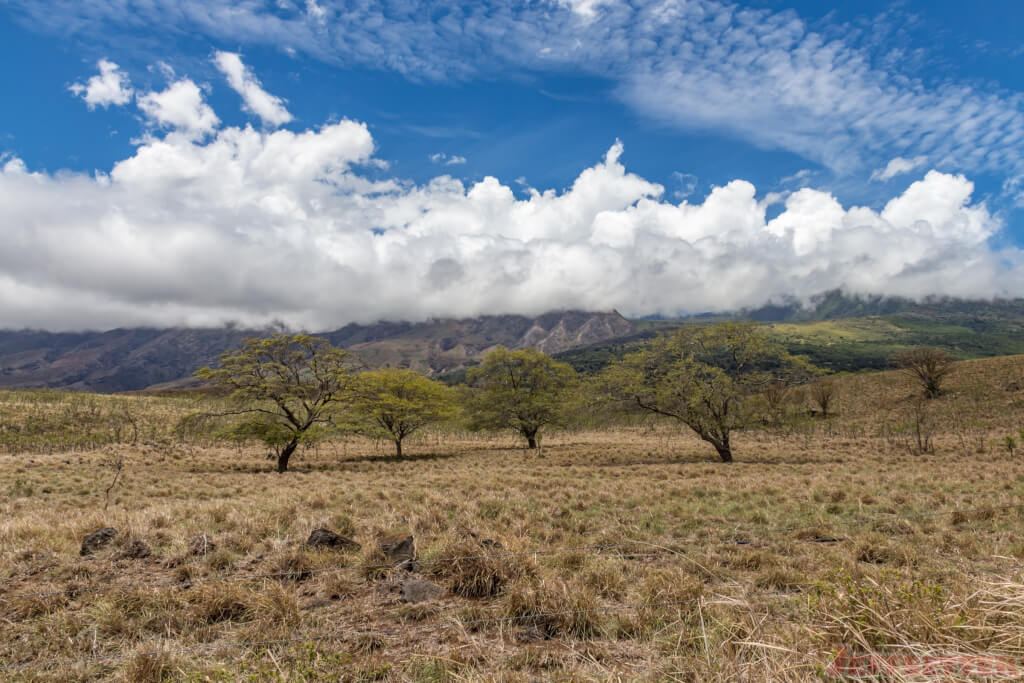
[{"x": 209, "y": 224}]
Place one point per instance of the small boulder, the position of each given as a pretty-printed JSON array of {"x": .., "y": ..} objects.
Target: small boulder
[
  {"x": 529, "y": 634},
  {"x": 136, "y": 550},
  {"x": 325, "y": 538},
  {"x": 418, "y": 590},
  {"x": 201, "y": 544},
  {"x": 398, "y": 548},
  {"x": 97, "y": 539}
]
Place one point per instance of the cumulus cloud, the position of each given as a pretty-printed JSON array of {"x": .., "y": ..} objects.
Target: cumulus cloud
[
  {"x": 898, "y": 166},
  {"x": 180, "y": 107},
  {"x": 254, "y": 226},
  {"x": 269, "y": 108},
  {"x": 110, "y": 86},
  {"x": 442, "y": 158}
]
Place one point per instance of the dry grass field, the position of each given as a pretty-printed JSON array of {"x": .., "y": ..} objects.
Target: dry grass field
[{"x": 654, "y": 561}]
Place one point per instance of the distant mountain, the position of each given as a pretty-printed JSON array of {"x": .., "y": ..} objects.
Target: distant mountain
[
  {"x": 138, "y": 358},
  {"x": 837, "y": 304}
]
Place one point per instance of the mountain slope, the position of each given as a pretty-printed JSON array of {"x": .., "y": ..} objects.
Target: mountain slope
[{"x": 131, "y": 359}]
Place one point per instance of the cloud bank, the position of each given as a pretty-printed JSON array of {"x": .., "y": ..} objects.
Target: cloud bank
[{"x": 208, "y": 224}]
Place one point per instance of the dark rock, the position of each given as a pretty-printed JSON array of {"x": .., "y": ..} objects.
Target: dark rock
[
  {"x": 531, "y": 633},
  {"x": 136, "y": 550},
  {"x": 325, "y": 538},
  {"x": 201, "y": 544},
  {"x": 408, "y": 565},
  {"x": 398, "y": 548},
  {"x": 418, "y": 590},
  {"x": 97, "y": 540}
]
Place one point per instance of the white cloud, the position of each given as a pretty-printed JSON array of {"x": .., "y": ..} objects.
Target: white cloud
[
  {"x": 687, "y": 184},
  {"x": 898, "y": 166},
  {"x": 269, "y": 108},
  {"x": 110, "y": 86},
  {"x": 586, "y": 9},
  {"x": 181, "y": 107},
  {"x": 253, "y": 226},
  {"x": 447, "y": 160}
]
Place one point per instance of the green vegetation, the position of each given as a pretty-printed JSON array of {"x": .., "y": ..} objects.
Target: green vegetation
[
  {"x": 395, "y": 403},
  {"x": 705, "y": 377},
  {"x": 519, "y": 390},
  {"x": 285, "y": 385},
  {"x": 847, "y": 344}
]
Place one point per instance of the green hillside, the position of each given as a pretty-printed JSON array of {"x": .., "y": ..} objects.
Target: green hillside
[{"x": 856, "y": 343}]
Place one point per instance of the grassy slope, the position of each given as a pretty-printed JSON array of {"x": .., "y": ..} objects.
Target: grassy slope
[
  {"x": 847, "y": 344},
  {"x": 759, "y": 599}
]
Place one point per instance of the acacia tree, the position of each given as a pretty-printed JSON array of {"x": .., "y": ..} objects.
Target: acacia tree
[
  {"x": 394, "y": 403},
  {"x": 705, "y": 377},
  {"x": 927, "y": 365},
  {"x": 521, "y": 390},
  {"x": 284, "y": 385}
]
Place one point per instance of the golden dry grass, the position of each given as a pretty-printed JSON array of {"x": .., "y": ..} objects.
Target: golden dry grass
[{"x": 823, "y": 538}]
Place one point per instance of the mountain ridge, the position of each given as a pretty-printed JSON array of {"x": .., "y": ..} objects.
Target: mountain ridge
[{"x": 127, "y": 359}]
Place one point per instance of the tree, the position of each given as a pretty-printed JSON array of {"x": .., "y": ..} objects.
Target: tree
[
  {"x": 823, "y": 394},
  {"x": 705, "y": 377},
  {"x": 285, "y": 385},
  {"x": 520, "y": 390},
  {"x": 927, "y": 365},
  {"x": 394, "y": 403}
]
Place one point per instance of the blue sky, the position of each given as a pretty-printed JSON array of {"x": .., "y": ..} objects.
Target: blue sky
[{"x": 658, "y": 157}]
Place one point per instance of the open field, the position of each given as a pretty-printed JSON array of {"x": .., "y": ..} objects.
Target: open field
[{"x": 658, "y": 563}]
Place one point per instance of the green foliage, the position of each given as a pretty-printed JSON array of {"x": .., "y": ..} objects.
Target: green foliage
[
  {"x": 393, "y": 403},
  {"x": 54, "y": 421},
  {"x": 520, "y": 390},
  {"x": 705, "y": 377},
  {"x": 284, "y": 386}
]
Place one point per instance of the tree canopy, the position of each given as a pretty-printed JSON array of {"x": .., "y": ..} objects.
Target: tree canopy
[
  {"x": 284, "y": 386},
  {"x": 705, "y": 377},
  {"x": 521, "y": 390},
  {"x": 927, "y": 365},
  {"x": 393, "y": 403}
]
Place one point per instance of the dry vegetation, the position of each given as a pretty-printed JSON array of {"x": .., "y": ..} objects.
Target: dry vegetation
[{"x": 824, "y": 537}]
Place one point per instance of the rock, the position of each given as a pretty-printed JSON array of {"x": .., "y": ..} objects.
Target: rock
[
  {"x": 418, "y": 590},
  {"x": 201, "y": 544},
  {"x": 97, "y": 540},
  {"x": 398, "y": 548},
  {"x": 136, "y": 550},
  {"x": 408, "y": 565},
  {"x": 325, "y": 538},
  {"x": 529, "y": 634}
]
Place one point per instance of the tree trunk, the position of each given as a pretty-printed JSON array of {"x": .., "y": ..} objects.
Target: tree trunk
[
  {"x": 286, "y": 453},
  {"x": 721, "y": 444},
  {"x": 531, "y": 437},
  {"x": 398, "y": 448}
]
